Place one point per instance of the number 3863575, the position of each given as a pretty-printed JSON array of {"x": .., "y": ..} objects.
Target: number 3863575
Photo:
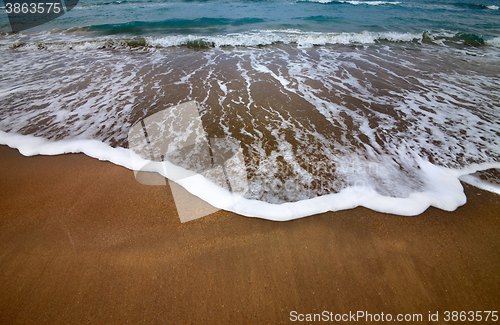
[{"x": 32, "y": 8}]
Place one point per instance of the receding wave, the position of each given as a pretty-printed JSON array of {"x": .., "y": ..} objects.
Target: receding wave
[{"x": 391, "y": 128}]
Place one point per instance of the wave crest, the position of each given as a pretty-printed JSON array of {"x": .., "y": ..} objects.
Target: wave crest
[
  {"x": 257, "y": 38},
  {"x": 356, "y": 2}
]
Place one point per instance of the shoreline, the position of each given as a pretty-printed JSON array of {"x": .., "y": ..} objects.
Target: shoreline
[{"x": 82, "y": 241}]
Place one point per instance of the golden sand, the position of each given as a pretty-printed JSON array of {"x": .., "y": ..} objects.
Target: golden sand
[{"x": 81, "y": 241}]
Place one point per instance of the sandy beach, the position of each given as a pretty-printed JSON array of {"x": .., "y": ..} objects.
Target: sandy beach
[{"x": 81, "y": 241}]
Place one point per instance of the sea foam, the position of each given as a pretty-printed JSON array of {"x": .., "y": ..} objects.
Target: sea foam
[
  {"x": 444, "y": 191},
  {"x": 302, "y": 39},
  {"x": 356, "y": 2}
]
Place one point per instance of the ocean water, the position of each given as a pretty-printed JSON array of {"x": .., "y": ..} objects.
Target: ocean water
[{"x": 301, "y": 106}]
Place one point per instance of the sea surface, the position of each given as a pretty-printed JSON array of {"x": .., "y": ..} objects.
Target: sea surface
[{"x": 275, "y": 109}]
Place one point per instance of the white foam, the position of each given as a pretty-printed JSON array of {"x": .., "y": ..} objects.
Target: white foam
[
  {"x": 372, "y": 3},
  {"x": 29, "y": 145},
  {"x": 267, "y": 37},
  {"x": 479, "y": 183},
  {"x": 46, "y": 41},
  {"x": 492, "y": 7},
  {"x": 444, "y": 190},
  {"x": 356, "y": 2},
  {"x": 494, "y": 42}
]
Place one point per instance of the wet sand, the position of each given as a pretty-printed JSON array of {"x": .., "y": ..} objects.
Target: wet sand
[{"x": 82, "y": 242}]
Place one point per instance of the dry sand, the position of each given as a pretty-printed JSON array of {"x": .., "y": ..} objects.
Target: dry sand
[{"x": 82, "y": 242}]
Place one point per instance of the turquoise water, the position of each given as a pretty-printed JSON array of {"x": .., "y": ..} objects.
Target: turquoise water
[{"x": 131, "y": 17}]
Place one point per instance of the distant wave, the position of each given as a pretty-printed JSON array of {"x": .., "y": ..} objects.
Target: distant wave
[
  {"x": 356, "y": 2},
  {"x": 474, "y": 6}
]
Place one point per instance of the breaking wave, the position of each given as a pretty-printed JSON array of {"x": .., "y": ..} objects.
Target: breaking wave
[{"x": 253, "y": 38}]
